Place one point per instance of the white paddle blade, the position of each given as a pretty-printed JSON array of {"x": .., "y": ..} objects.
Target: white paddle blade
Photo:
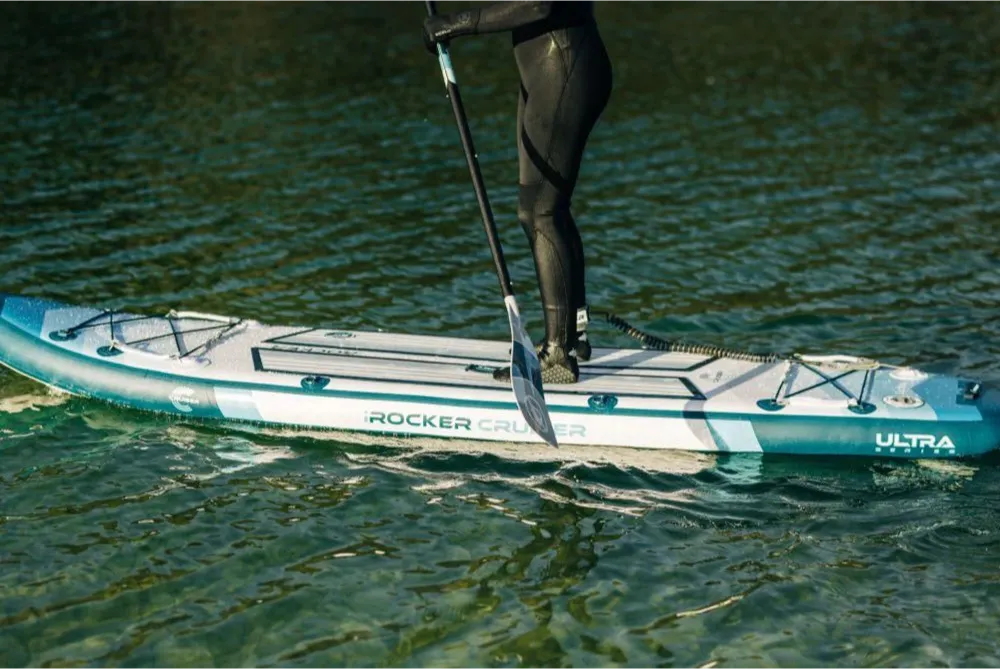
[{"x": 526, "y": 377}]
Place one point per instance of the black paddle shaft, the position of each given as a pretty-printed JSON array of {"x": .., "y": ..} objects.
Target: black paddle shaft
[{"x": 477, "y": 178}]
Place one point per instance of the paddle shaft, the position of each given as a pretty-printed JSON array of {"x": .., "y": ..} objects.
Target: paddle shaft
[{"x": 470, "y": 156}]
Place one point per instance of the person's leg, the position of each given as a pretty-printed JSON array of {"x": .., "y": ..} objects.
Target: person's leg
[
  {"x": 565, "y": 95},
  {"x": 566, "y": 83}
]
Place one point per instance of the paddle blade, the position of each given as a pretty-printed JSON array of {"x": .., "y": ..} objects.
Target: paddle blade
[{"x": 526, "y": 377}]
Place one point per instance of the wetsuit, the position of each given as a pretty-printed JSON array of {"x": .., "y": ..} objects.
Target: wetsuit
[{"x": 565, "y": 77}]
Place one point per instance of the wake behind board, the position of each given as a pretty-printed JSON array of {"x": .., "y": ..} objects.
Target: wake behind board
[{"x": 216, "y": 367}]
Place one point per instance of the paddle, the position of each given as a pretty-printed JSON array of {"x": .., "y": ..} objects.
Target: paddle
[{"x": 525, "y": 370}]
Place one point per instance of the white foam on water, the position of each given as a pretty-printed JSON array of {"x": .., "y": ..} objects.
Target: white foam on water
[
  {"x": 36, "y": 402},
  {"x": 664, "y": 461},
  {"x": 435, "y": 485},
  {"x": 245, "y": 454},
  {"x": 949, "y": 468}
]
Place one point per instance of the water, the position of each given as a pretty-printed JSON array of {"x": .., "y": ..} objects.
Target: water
[{"x": 815, "y": 177}]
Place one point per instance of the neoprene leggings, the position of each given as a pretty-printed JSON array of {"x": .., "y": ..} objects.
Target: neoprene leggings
[{"x": 565, "y": 85}]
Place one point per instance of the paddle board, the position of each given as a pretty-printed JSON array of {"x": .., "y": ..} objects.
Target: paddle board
[{"x": 208, "y": 366}]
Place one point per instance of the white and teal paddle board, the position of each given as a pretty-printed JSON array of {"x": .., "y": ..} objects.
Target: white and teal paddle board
[{"x": 215, "y": 367}]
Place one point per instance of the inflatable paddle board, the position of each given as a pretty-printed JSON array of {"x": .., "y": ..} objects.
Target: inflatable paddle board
[{"x": 208, "y": 366}]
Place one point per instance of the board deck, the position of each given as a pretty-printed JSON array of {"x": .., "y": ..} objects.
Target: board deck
[{"x": 217, "y": 367}]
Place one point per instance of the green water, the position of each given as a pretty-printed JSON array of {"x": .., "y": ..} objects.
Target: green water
[{"x": 816, "y": 177}]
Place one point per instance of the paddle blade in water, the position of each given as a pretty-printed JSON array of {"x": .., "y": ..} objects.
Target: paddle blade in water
[{"x": 526, "y": 377}]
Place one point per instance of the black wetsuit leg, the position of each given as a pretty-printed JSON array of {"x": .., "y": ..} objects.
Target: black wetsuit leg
[{"x": 565, "y": 85}]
